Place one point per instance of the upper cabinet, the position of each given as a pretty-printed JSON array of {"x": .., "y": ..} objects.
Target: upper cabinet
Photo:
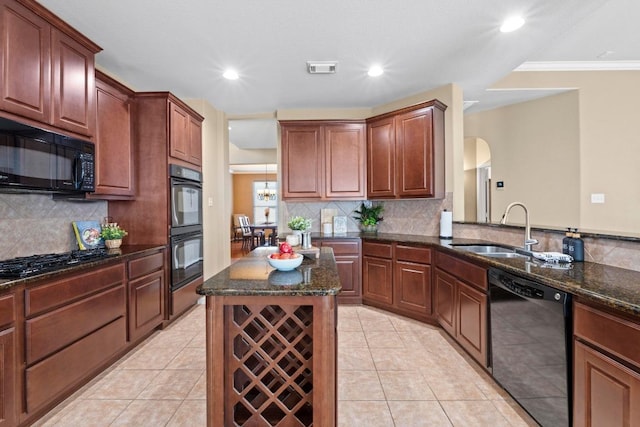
[
  {"x": 405, "y": 153},
  {"x": 114, "y": 144},
  {"x": 323, "y": 160},
  {"x": 46, "y": 69},
  {"x": 186, "y": 135}
]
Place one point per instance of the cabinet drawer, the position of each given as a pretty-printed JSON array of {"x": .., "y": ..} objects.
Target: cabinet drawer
[
  {"x": 471, "y": 273},
  {"x": 145, "y": 265},
  {"x": 343, "y": 247},
  {"x": 413, "y": 254},
  {"x": 58, "y": 373},
  {"x": 7, "y": 310},
  {"x": 618, "y": 336},
  {"x": 62, "y": 291},
  {"x": 59, "y": 328},
  {"x": 380, "y": 250}
]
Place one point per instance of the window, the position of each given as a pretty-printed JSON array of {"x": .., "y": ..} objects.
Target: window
[{"x": 265, "y": 200}]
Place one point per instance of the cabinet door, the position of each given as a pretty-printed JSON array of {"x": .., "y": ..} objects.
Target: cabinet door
[
  {"x": 8, "y": 393},
  {"x": 349, "y": 270},
  {"x": 606, "y": 393},
  {"x": 381, "y": 154},
  {"x": 471, "y": 323},
  {"x": 377, "y": 280},
  {"x": 412, "y": 287},
  {"x": 195, "y": 141},
  {"x": 414, "y": 151},
  {"x": 444, "y": 301},
  {"x": 345, "y": 161},
  {"x": 114, "y": 147},
  {"x": 179, "y": 132},
  {"x": 302, "y": 155},
  {"x": 146, "y": 304},
  {"x": 25, "y": 62},
  {"x": 74, "y": 87}
]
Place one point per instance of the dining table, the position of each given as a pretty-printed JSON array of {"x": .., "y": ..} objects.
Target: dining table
[{"x": 273, "y": 238}]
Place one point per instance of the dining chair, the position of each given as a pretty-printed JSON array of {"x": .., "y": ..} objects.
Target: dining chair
[{"x": 248, "y": 236}]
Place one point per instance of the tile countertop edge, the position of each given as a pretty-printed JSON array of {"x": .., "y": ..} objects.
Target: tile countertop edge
[
  {"x": 614, "y": 287},
  {"x": 125, "y": 251}
]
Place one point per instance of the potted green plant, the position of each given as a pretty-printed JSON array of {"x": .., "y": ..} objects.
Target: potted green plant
[
  {"x": 369, "y": 215},
  {"x": 298, "y": 225},
  {"x": 112, "y": 235}
]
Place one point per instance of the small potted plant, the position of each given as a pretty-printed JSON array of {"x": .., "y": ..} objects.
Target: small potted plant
[
  {"x": 298, "y": 225},
  {"x": 112, "y": 235},
  {"x": 369, "y": 215}
]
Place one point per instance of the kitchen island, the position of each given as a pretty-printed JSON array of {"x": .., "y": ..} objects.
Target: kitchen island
[{"x": 272, "y": 342}]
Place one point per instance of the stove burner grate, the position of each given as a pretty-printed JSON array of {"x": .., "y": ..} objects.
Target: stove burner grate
[{"x": 37, "y": 264}]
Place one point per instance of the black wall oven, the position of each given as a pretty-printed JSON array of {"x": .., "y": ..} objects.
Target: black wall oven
[
  {"x": 187, "y": 256},
  {"x": 186, "y": 259},
  {"x": 186, "y": 200}
]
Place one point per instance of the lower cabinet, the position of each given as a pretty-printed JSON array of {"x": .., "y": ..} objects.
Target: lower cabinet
[
  {"x": 606, "y": 369},
  {"x": 8, "y": 363},
  {"x": 347, "y": 254},
  {"x": 147, "y": 292},
  {"x": 397, "y": 278},
  {"x": 73, "y": 326},
  {"x": 460, "y": 303}
]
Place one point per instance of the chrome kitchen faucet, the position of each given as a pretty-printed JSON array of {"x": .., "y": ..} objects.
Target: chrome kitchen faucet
[{"x": 528, "y": 241}]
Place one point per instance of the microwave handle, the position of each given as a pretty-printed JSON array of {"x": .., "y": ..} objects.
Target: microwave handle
[{"x": 78, "y": 172}]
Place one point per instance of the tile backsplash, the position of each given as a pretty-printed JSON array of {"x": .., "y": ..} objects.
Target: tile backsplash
[
  {"x": 37, "y": 224},
  {"x": 420, "y": 216}
]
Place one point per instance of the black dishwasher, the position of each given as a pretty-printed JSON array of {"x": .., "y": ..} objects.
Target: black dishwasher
[{"x": 530, "y": 326}]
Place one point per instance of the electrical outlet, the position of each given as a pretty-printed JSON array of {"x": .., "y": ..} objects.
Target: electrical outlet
[{"x": 210, "y": 201}]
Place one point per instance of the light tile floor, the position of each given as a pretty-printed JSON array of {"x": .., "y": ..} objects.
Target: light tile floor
[{"x": 392, "y": 371}]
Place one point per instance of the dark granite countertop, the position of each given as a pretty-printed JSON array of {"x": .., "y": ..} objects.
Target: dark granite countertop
[
  {"x": 253, "y": 276},
  {"x": 124, "y": 251},
  {"x": 615, "y": 287}
]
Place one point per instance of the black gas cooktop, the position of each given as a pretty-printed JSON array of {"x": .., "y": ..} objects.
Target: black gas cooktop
[{"x": 38, "y": 264}]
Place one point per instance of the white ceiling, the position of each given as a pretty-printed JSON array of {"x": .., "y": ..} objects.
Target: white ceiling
[{"x": 184, "y": 46}]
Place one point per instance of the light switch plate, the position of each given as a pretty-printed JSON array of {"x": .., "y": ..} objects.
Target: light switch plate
[{"x": 597, "y": 198}]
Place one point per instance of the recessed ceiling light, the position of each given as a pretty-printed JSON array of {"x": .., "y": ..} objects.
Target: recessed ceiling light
[
  {"x": 231, "y": 75},
  {"x": 512, "y": 24},
  {"x": 375, "y": 71}
]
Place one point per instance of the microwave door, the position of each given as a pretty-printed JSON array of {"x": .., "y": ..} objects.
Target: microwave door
[
  {"x": 25, "y": 162},
  {"x": 65, "y": 171}
]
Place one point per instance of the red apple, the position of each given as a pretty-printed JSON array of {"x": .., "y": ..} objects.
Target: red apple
[{"x": 285, "y": 248}]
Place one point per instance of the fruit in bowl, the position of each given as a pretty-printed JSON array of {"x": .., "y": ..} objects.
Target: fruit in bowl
[{"x": 285, "y": 261}]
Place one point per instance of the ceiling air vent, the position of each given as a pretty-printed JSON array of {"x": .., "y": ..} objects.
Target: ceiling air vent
[{"x": 322, "y": 67}]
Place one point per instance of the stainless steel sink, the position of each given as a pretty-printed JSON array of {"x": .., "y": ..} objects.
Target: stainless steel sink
[{"x": 489, "y": 250}]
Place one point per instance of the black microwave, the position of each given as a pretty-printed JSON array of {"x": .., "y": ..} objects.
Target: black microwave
[{"x": 33, "y": 159}]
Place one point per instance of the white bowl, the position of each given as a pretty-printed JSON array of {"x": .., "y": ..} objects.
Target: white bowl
[{"x": 285, "y": 264}]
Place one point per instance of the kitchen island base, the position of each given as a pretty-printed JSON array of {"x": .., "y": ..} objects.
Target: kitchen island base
[{"x": 271, "y": 360}]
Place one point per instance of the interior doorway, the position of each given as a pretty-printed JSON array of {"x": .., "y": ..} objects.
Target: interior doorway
[{"x": 477, "y": 180}]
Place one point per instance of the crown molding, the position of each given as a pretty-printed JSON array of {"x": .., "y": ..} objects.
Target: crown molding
[{"x": 579, "y": 66}]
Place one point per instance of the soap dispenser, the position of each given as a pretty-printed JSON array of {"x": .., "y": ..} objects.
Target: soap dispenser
[
  {"x": 567, "y": 241},
  {"x": 578, "y": 247}
]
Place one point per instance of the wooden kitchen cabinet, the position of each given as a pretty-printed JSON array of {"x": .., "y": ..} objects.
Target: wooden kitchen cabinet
[
  {"x": 412, "y": 281},
  {"x": 405, "y": 153},
  {"x": 460, "y": 303},
  {"x": 377, "y": 274},
  {"x": 347, "y": 255},
  {"x": 47, "y": 69},
  {"x": 78, "y": 320},
  {"x": 606, "y": 368},
  {"x": 114, "y": 161},
  {"x": 185, "y": 141},
  {"x": 8, "y": 363},
  {"x": 147, "y": 291},
  {"x": 397, "y": 278},
  {"x": 323, "y": 160}
]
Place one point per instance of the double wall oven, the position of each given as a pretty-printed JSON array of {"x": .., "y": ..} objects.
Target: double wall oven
[{"x": 186, "y": 225}]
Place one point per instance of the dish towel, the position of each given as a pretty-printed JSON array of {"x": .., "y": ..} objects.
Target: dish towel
[{"x": 552, "y": 256}]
